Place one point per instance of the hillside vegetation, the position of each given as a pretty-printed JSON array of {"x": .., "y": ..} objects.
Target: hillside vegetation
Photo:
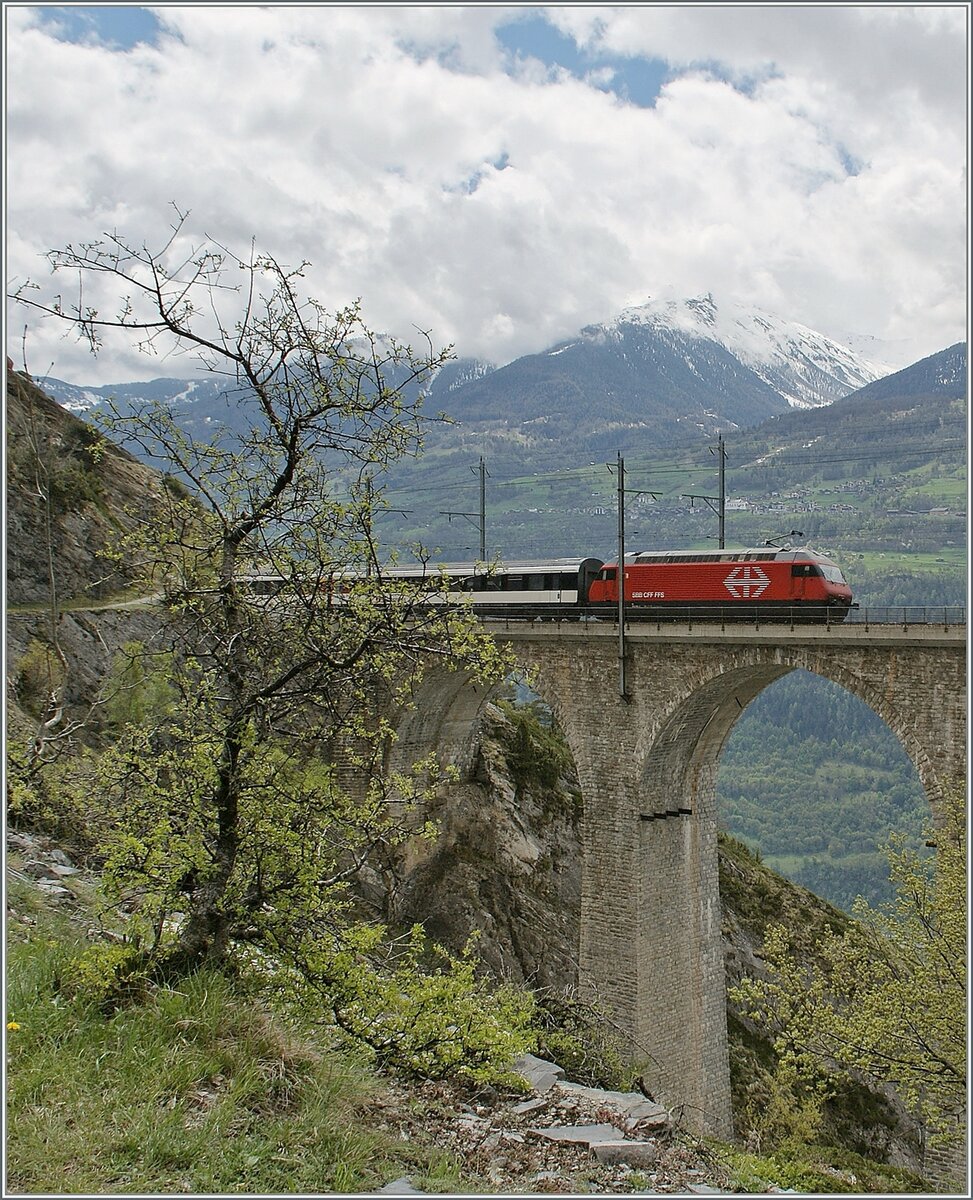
[
  {"x": 220, "y": 1085},
  {"x": 818, "y": 782},
  {"x": 71, "y": 495}
]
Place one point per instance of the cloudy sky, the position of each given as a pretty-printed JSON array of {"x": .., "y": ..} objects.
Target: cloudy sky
[{"x": 503, "y": 175}]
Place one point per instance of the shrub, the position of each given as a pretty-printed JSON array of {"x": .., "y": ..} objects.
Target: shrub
[{"x": 38, "y": 675}]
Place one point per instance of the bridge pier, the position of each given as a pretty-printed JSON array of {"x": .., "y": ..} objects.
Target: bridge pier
[{"x": 651, "y": 938}]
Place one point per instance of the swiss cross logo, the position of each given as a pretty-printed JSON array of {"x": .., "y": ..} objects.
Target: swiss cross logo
[{"x": 746, "y": 583}]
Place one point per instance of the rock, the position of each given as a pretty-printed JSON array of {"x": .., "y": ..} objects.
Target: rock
[
  {"x": 62, "y": 872},
  {"x": 399, "y": 1187},
  {"x": 37, "y": 869},
  {"x": 54, "y": 891},
  {"x": 546, "y": 1177},
  {"x": 631, "y": 1153},
  {"x": 21, "y": 841},
  {"x": 539, "y": 1073},
  {"x": 632, "y": 1105},
  {"x": 527, "y": 1106},
  {"x": 586, "y": 1135}
]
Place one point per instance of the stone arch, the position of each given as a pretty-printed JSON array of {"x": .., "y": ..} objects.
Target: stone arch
[
  {"x": 679, "y": 769},
  {"x": 893, "y": 716},
  {"x": 650, "y": 939},
  {"x": 445, "y": 715},
  {"x": 676, "y": 878}
]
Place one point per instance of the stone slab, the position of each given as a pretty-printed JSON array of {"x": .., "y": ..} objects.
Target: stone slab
[
  {"x": 539, "y": 1073},
  {"x": 627, "y": 1104},
  {"x": 632, "y": 1153},
  {"x": 585, "y": 1135}
]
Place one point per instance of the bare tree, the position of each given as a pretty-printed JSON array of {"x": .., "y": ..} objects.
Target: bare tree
[{"x": 232, "y": 820}]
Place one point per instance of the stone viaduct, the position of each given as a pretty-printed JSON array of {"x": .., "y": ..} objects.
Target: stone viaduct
[{"x": 650, "y": 916}]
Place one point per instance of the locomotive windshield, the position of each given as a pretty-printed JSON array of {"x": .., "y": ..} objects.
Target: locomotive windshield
[{"x": 832, "y": 574}]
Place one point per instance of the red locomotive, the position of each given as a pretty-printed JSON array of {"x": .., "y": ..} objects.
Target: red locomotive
[{"x": 727, "y": 584}]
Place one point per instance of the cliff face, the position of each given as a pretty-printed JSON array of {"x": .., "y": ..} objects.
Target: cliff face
[
  {"x": 506, "y": 864},
  {"x": 69, "y": 494}
]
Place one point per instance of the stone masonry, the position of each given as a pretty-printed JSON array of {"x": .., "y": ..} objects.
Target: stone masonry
[{"x": 650, "y": 916}]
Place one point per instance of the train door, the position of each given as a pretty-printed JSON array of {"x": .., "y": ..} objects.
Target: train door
[
  {"x": 607, "y": 590},
  {"x": 800, "y": 573}
]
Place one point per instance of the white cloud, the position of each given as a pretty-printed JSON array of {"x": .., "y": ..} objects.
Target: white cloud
[{"x": 392, "y": 148}]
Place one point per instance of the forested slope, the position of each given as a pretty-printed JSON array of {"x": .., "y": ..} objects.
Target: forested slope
[{"x": 816, "y": 781}]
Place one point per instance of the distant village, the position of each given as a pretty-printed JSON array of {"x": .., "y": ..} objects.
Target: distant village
[{"x": 799, "y": 500}]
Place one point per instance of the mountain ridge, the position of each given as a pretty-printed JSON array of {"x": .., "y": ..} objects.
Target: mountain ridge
[{"x": 651, "y": 369}]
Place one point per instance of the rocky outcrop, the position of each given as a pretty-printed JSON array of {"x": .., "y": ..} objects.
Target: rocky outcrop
[
  {"x": 70, "y": 494},
  {"x": 505, "y": 865}
]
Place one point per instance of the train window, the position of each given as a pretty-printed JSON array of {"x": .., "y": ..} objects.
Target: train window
[
  {"x": 536, "y": 583},
  {"x": 609, "y": 573}
]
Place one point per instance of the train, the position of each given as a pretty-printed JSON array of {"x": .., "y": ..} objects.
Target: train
[{"x": 759, "y": 584}]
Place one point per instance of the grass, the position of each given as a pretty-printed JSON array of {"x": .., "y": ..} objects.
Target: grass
[
  {"x": 816, "y": 1169},
  {"x": 198, "y": 1089},
  {"x": 947, "y": 556},
  {"x": 206, "y": 1089}
]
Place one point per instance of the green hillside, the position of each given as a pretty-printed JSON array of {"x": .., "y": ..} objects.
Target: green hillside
[{"x": 817, "y": 781}]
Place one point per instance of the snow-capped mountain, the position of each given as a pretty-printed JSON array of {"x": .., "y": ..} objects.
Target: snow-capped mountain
[
  {"x": 661, "y": 373},
  {"x": 657, "y": 374},
  {"x": 199, "y": 394},
  {"x": 803, "y": 366}
]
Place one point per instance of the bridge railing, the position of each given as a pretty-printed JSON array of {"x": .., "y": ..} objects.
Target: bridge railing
[
  {"x": 945, "y": 615},
  {"x": 942, "y": 616}
]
